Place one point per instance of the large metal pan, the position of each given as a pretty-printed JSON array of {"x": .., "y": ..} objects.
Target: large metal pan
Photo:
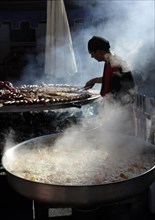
[
  {"x": 79, "y": 196},
  {"x": 67, "y": 96}
]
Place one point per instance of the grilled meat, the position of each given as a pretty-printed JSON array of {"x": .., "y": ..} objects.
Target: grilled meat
[{"x": 42, "y": 94}]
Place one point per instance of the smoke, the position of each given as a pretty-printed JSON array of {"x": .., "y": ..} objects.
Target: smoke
[{"x": 128, "y": 25}]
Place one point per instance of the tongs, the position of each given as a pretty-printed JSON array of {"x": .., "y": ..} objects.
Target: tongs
[{"x": 82, "y": 89}]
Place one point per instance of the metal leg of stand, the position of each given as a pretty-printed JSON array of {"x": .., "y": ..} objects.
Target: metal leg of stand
[
  {"x": 141, "y": 116},
  {"x": 40, "y": 211},
  {"x": 33, "y": 209}
]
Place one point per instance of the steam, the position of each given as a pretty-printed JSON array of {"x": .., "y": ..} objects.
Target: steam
[
  {"x": 108, "y": 132},
  {"x": 9, "y": 140},
  {"x": 84, "y": 157}
]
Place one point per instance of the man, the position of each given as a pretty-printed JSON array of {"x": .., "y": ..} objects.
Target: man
[{"x": 117, "y": 78}]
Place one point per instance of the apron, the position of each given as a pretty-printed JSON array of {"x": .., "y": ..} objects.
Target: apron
[
  {"x": 111, "y": 86},
  {"x": 111, "y": 80}
]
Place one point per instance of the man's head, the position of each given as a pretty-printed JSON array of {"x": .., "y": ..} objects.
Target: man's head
[
  {"x": 98, "y": 47},
  {"x": 98, "y": 43}
]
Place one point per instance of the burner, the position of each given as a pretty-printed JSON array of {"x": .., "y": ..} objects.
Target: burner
[
  {"x": 134, "y": 208},
  {"x": 130, "y": 209}
]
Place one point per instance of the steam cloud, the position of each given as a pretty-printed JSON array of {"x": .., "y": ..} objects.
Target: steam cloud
[{"x": 108, "y": 131}]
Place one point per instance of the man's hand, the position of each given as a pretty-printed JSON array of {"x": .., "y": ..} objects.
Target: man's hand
[
  {"x": 92, "y": 82},
  {"x": 89, "y": 84}
]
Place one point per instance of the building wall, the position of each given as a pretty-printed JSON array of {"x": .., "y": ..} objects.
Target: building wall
[{"x": 23, "y": 30}]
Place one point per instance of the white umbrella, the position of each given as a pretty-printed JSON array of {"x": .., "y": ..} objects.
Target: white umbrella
[{"x": 59, "y": 54}]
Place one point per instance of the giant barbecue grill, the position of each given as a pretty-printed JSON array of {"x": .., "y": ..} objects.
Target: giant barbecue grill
[{"x": 45, "y": 97}]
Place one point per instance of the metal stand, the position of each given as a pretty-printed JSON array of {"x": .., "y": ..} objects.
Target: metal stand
[{"x": 145, "y": 114}]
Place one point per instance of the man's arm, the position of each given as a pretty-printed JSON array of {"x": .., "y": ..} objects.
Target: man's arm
[{"x": 93, "y": 81}]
